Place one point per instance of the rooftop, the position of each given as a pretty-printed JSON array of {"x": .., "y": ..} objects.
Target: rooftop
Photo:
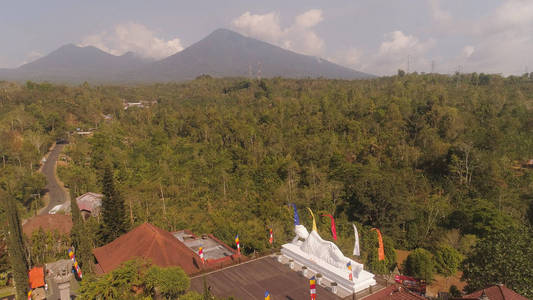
[
  {"x": 394, "y": 293},
  {"x": 61, "y": 223},
  {"x": 251, "y": 279},
  {"x": 496, "y": 292},
  {"x": 90, "y": 201},
  {"x": 147, "y": 241},
  {"x": 212, "y": 248}
]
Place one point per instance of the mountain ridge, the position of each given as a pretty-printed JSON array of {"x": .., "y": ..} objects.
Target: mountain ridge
[{"x": 223, "y": 53}]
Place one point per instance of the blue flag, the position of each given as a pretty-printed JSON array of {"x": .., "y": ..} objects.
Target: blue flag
[{"x": 296, "y": 217}]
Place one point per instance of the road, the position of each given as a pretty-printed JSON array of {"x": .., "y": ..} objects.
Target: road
[{"x": 56, "y": 193}]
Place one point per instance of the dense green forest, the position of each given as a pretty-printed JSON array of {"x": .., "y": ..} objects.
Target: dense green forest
[{"x": 433, "y": 161}]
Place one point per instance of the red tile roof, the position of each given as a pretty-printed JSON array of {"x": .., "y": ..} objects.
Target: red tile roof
[
  {"x": 496, "y": 292},
  {"x": 147, "y": 242},
  {"x": 394, "y": 293},
  {"x": 61, "y": 223}
]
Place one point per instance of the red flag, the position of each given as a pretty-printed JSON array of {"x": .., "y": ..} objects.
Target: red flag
[
  {"x": 271, "y": 238},
  {"x": 333, "y": 229},
  {"x": 381, "y": 250}
]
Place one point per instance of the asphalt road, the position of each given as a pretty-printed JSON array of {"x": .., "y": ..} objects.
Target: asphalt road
[{"x": 57, "y": 195}]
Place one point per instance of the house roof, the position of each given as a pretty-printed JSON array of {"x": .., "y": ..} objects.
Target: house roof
[
  {"x": 147, "y": 242},
  {"x": 496, "y": 292},
  {"x": 394, "y": 293},
  {"x": 89, "y": 201},
  {"x": 36, "y": 277},
  {"x": 61, "y": 223}
]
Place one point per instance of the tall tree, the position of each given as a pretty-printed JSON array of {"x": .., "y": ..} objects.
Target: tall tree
[
  {"x": 17, "y": 250},
  {"x": 502, "y": 257},
  {"x": 113, "y": 210}
]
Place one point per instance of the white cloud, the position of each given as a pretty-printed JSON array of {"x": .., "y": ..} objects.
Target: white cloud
[
  {"x": 394, "y": 52},
  {"x": 31, "y": 56},
  {"x": 503, "y": 39},
  {"x": 298, "y": 37},
  {"x": 309, "y": 18},
  {"x": 468, "y": 51},
  {"x": 133, "y": 37},
  {"x": 498, "y": 42}
]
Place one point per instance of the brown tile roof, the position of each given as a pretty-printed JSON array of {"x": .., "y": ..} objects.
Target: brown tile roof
[
  {"x": 394, "y": 293},
  {"x": 147, "y": 242},
  {"x": 250, "y": 280},
  {"x": 496, "y": 292},
  {"x": 61, "y": 223}
]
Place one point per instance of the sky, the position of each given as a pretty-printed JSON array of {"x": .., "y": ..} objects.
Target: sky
[{"x": 374, "y": 36}]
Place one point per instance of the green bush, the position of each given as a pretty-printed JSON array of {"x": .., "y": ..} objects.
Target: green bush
[
  {"x": 420, "y": 264},
  {"x": 168, "y": 282},
  {"x": 447, "y": 260}
]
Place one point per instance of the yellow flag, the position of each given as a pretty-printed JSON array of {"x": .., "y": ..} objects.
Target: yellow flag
[{"x": 314, "y": 223}]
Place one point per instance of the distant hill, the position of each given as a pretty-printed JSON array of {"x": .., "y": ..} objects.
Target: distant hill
[
  {"x": 71, "y": 63},
  {"x": 223, "y": 53}
]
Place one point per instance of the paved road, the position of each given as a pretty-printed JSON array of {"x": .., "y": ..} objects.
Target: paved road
[{"x": 56, "y": 193}]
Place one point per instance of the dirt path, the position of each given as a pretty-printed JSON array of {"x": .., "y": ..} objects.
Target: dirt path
[{"x": 56, "y": 192}]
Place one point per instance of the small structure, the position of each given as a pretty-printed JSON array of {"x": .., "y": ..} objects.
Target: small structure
[
  {"x": 89, "y": 204},
  {"x": 309, "y": 250},
  {"x": 133, "y": 104},
  {"x": 60, "y": 274},
  {"x": 48, "y": 223},
  {"x": 529, "y": 164},
  {"x": 215, "y": 252},
  {"x": 495, "y": 292}
]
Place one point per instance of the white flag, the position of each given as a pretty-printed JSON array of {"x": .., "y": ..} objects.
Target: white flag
[{"x": 356, "y": 245}]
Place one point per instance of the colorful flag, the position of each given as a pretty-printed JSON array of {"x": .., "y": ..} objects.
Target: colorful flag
[
  {"x": 312, "y": 287},
  {"x": 333, "y": 229},
  {"x": 201, "y": 254},
  {"x": 381, "y": 250},
  {"x": 29, "y": 295},
  {"x": 267, "y": 295},
  {"x": 75, "y": 262},
  {"x": 350, "y": 274},
  {"x": 296, "y": 217},
  {"x": 238, "y": 244},
  {"x": 356, "y": 250},
  {"x": 271, "y": 237},
  {"x": 314, "y": 222}
]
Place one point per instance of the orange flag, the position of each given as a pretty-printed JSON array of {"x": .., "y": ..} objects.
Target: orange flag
[{"x": 381, "y": 250}]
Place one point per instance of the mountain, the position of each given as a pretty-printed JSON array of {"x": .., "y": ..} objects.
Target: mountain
[
  {"x": 72, "y": 63},
  {"x": 225, "y": 53}
]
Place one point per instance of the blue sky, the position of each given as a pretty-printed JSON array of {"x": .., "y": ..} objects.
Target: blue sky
[{"x": 375, "y": 36}]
